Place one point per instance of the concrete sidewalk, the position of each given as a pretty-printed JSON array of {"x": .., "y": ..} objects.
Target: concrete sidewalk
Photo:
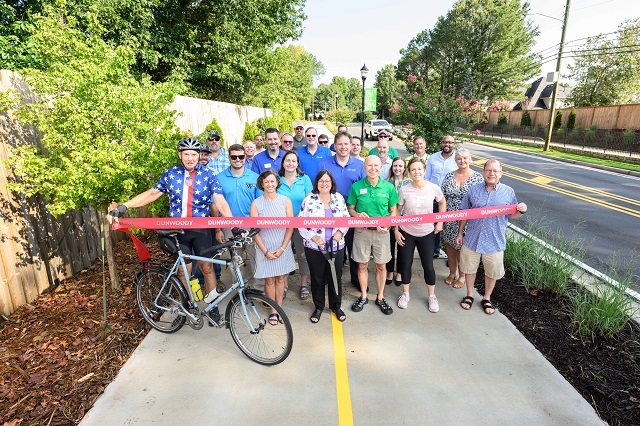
[{"x": 412, "y": 367}]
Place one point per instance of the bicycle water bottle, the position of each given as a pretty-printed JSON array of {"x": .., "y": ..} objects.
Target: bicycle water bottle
[
  {"x": 213, "y": 294},
  {"x": 196, "y": 289}
]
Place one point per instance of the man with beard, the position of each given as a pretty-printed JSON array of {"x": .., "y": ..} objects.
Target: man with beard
[
  {"x": 271, "y": 158},
  {"x": 219, "y": 160}
]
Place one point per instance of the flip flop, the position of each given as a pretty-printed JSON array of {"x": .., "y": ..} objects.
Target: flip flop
[
  {"x": 450, "y": 279},
  {"x": 304, "y": 292},
  {"x": 458, "y": 284}
]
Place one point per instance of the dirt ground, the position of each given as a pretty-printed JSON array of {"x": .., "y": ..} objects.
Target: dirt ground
[{"x": 56, "y": 358}]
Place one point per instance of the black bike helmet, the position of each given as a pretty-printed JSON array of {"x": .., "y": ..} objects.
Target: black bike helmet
[{"x": 189, "y": 144}]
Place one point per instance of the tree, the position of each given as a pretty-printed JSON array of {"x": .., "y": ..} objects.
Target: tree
[
  {"x": 389, "y": 89},
  {"x": 483, "y": 47},
  {"x": 215, "y": 48},
  {"x": 526, "y": 118},
  {"x": 607, "y": 72},
  {"x": 107, "y": 135},
  {"x": 429, "y": 113}
]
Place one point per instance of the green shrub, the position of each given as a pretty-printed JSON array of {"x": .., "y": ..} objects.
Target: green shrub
[
  {"x": 576, "y": 133},
  {"x": 342, "y": 115},
  {"x": 608, "y": 137},
  {"x": 590, "y": 135},
  {"x": 601, "y": 313},
  {"x": 571, "y": 120},
  {"x": 250, "y": 131},
  {"x": 629, "y": 136},
  {"x": 526, "y": 119},
  {"x": 557, "y": 122},
  {"x": 502, "y": 120},
  {"x": 562, "y": 132}
]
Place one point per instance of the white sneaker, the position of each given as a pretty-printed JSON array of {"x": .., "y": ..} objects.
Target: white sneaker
[
  {"x": 433, "y": 304},
  {"x": 443, "y": 255},
  {"x": 403, "y": 301}
]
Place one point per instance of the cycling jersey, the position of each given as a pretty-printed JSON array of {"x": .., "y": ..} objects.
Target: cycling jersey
[{"x": 189, "y": 192}]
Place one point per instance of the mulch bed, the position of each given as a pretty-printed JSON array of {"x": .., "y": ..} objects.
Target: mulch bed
[
  {"x": 55, "y": 360},
  {"x": 605, "y": 372}
]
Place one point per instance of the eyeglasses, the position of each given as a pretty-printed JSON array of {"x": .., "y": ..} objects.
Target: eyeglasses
[
  {"x": 311, "y": 136},
  {"x": 324, "y": 182},
  {"x": 237, "y": 157},
  {"x": 213, "y": 139},
  {"x": 495, "y": 172},
  {"x": 323, "y": 142}
]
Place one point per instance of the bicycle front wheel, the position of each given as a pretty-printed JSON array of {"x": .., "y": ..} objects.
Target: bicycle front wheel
[
  {"x": 260, "y": 335},
  {"x": 162, "y": 310}
]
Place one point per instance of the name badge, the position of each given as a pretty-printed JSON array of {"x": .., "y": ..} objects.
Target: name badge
[
  {"x": 363, "y": 191},
  {"x": 267, "y": 166}
]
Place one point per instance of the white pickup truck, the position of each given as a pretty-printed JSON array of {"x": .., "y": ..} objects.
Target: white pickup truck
[{"x": 372, "y": 128}]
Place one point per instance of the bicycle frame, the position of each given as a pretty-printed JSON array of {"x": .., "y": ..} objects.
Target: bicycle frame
[{"x": 236, "y": 272}]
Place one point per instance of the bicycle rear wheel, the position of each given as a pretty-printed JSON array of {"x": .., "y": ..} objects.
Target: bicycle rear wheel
[
  {"x": 161, "y": 311},
  {"x": 265, "y": 342}
]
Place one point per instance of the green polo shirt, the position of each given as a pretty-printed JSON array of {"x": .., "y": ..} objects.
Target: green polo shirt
[{"x": 374, "y": 200}]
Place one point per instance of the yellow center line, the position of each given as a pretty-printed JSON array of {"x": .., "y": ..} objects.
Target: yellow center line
[
  {"x": 480, "y": 163},
  {"x": 343, "y": 393}
]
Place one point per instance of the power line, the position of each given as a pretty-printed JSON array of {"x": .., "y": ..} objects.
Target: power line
[{"x": 555, "y": 46}]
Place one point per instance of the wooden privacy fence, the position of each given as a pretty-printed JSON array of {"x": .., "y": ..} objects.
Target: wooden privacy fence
[
  {"x": 614, "y": 117},
  {"x": 38, "y": 250}
]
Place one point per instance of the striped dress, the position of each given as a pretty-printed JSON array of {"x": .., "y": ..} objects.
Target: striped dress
[{"x": 272, "y": 239}]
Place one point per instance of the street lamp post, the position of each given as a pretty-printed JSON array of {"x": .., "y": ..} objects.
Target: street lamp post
[
  {"x": 363, "y": 72},
  {"x": 336, "y": 109}
]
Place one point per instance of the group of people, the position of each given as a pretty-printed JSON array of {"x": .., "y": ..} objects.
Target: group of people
[{"x": 296, "y": 175}]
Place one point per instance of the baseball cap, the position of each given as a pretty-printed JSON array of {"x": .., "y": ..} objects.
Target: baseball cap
[
  {"x": 383, "y": 132},
  {"x": 298, "y": 124},
  {"x": 213, "y": 133}
]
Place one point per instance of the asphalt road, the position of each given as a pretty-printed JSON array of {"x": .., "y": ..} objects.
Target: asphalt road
[{"x": 598, "y": 208}]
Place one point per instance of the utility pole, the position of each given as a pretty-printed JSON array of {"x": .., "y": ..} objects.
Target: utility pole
[{"x": 552, "y": 112}]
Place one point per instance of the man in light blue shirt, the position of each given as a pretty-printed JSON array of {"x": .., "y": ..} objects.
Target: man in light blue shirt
[
  {"x": 484, "y": 238},
  {"x": 238, "y": 183},
  {"x": 312, "y": 154},
  {"x": 218, "y": 159}
]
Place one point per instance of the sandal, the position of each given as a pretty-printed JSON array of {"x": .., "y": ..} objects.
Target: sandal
[
  {"x": 387, "y": 282},
  {"x": 304, "y": 292},
  {"x": 486, "y": 304},
  {"x": 459, "y": 284},
  {"x": 450, "y": 279},
  {"x": 274, "y": 319},
  {"x": 468, "y": 302},
  {"x": 315, "y": 316},
  {"x": 339, "y": 314}
]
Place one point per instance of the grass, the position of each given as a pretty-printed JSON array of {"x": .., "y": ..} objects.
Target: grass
[
  {"x": 571, "y": 156},
  {"x": 602, "y": 312}
]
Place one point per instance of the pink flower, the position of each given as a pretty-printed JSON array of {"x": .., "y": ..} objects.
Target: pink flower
[
  {"x": 412, "y": 78},
  {"x": 409, "y": 126},
  {"x": 478, "y": 132},
  {"x": 393, "y": 110},
  {"x": 472, "y": 140},
  {"x": 410, "y": 108}
]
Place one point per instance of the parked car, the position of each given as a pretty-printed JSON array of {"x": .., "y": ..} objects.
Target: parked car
[{"x": 372, "y": 128}]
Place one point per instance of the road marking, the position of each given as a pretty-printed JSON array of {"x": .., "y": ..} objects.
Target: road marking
[
  {"x": 548, "y": 183},
  {"x": 343, "y": 393}
]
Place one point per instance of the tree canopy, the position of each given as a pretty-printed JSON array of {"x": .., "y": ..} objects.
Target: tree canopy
[
  {"x": 607, "y": 72},
  {"x": 481, "y": 46}
]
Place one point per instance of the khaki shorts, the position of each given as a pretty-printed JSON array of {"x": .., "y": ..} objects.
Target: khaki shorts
[
  {"x": 493, "y": 263},
  {"x": 367, "y": 242}
]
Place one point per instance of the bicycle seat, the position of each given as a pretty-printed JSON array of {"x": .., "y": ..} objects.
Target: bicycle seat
[{"x": 169, "y": 232}]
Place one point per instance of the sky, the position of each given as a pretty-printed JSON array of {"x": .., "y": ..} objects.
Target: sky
[{"x": 346, "y": 34}]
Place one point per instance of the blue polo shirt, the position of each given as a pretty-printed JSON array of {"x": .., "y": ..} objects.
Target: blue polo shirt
[
  {"x": 239, "y": 191},
  {"x": 297, "y": 191},
  {"x": 309, "y": 162},
  {"x": 487, "y": 235},
  {"x": 345, "y": 176},
  {"x": 263, "y": 161}
]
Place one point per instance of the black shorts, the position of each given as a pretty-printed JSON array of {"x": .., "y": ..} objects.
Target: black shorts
[{"x": 195, "y": 241}]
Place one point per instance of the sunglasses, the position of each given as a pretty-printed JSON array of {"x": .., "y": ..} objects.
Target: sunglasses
[
  {"x": 323, "y": 142},
  {"x": 237, "y": 157},
  {"x": 299, "y": 128},
  {"x": 382, "y": 136},
  {"x": 213, "y": 139},
  {"x": 311, "y": 136},
  {"x": 291, "y": 141}
]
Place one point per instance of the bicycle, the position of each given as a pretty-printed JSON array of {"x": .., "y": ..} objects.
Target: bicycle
[{"x": 166, "y": 304}]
